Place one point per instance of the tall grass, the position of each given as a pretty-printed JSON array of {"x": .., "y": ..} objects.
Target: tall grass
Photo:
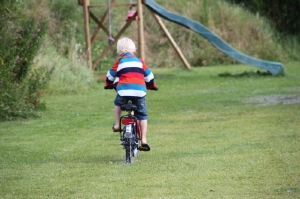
[
  {"x": 70, "y": 74},
  {"x": 291, "y": 46},
  {"x": 248, "y": 33}
]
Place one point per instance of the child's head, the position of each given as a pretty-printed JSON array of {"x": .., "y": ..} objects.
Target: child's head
[{"x": 125, "y": 45}]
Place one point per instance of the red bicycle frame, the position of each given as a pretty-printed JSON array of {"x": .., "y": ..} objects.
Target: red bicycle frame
[{"x": 131, "y": 120}]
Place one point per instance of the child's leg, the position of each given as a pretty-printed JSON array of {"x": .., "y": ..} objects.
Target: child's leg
[
  {"x": 118, "y": 102},
  {"x": 144, "y": 125},
  {"x": 117, "y": 116}
]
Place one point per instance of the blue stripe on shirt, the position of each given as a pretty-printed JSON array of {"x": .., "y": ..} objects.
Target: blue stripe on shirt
[
  {"x": 131, "y": 87},
  {"x": 112, "y": 73},
  {"x": 129, "y": 59},
  {"x": 147, "y": 72}
]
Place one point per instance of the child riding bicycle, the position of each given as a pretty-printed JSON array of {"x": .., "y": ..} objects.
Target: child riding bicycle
[{"x": 131, "y": 77}]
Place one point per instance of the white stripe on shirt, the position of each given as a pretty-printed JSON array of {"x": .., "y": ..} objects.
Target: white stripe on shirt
[
  {"x": 130, "y": 64},
  {"x": 133, "y": 93},
  {"x": 109, "y": 76},
  {"x": 149, "y": 77}
]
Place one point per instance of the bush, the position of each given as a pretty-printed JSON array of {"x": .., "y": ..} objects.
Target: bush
[{"x": 21, "y": 84}]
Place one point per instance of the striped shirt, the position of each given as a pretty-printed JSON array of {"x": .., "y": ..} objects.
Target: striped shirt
[{"x": 130, "y": 76}]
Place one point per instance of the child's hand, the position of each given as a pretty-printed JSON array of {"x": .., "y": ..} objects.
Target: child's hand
[
  {"x": 108, "y": 87},
  {"x": 153, "y": 88}
]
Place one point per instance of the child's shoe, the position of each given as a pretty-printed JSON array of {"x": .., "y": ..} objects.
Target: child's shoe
[{"x": 144, "y": 147}]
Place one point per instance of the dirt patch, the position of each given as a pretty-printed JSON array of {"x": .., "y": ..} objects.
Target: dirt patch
[
  {"x": 101, "y": 77},
  {"x": 274, "y": 99}
]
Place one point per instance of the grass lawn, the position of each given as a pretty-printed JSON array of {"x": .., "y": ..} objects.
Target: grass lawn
[{"x": 214, "y": 132}]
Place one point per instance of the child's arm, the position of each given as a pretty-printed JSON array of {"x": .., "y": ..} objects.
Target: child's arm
[
  {"x": 111, "y": 75},
  {"x": 148, "y": 76},
  {"x": 149, "y": 79}
]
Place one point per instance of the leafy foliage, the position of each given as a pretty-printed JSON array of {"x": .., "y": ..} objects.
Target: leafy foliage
[
  {"x": 20, "y": 39},
  {"x": 284, "y": 15}
]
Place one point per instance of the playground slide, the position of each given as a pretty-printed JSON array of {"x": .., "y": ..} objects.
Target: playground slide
[{"x": 274, "y": 68}]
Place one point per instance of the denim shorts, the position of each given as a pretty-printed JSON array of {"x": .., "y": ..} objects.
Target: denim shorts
[{"x": 140, "y": 102}]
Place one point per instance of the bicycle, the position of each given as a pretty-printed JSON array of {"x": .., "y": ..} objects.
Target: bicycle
[{"x": 130, "y": 132}]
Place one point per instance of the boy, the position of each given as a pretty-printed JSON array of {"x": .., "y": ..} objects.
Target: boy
[{"x": 131, "y": 77}]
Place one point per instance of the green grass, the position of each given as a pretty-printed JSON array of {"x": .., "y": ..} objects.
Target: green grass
[{"x": 211, "y": 137}]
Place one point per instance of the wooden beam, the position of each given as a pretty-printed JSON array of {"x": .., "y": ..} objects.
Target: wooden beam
[
  {"x": 88, "y": 51},
  {"x": 100, "y": 37},
  {"x": 175, "y": 46},
  {"x": 96, "y": 61},
  {"x": 141, "y": 42},
  {"x": 100, "y": 25},
  {"x": 117, "y": 5}
]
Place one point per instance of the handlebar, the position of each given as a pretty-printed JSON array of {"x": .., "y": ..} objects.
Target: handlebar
[
  {"x": 111, "y": 87},
  {"x": 154, "y": 89},
  {"x": 108, "y": 87}
]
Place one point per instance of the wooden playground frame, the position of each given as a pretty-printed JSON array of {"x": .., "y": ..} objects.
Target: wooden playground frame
[{"x": 88, "y": 14}]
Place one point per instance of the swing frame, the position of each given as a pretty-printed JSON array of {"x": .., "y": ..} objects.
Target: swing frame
[{"x": 100, "y": 22}]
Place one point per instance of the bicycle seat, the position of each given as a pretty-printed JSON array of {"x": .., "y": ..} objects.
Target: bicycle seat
[{"x": 128, "y": 107}]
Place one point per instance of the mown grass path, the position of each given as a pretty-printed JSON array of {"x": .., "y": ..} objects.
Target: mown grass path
[{"x": 230, "y": 136}]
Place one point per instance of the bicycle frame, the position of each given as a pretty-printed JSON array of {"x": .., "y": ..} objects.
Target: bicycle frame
[
  {"x": 131, "y": 119},
  {"x": 130, "y": 133}
]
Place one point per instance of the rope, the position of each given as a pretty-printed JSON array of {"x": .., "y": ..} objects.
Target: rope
[
  {"x": 111, "y": 39},
  {"x": 130, "y": 5}
]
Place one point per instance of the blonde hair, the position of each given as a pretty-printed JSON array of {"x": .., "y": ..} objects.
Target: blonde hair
[{"x": 125, "y": 45}]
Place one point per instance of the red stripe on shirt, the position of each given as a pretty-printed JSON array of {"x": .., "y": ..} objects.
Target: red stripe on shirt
[
  {"x": 131, "y": 81},
  {"x": 132, "y": 78}
]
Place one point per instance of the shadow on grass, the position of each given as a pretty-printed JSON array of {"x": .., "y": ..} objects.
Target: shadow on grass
[
  {"x": 102, "y": 159},
  {"x": 92, "y": 159},
  {"x": 247, "y": 74}
]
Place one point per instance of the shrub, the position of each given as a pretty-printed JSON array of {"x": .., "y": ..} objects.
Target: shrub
[{"x": 21, "y": 84}]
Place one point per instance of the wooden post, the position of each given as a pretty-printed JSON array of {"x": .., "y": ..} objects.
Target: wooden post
[
  {"x": 86, "y": 14},
  {"x": 141, "y": 42},
  {"x": 176, "y": 48}
]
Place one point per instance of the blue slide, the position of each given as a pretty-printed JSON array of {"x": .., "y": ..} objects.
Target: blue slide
[{"x": 274, "y": 68}]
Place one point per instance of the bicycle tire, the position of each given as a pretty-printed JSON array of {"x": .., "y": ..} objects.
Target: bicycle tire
[
  {"x": 130, "y": 142},
  {"x": 129, "y": 153}
]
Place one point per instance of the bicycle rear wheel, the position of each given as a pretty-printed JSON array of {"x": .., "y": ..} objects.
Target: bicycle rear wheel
[{"x": 129, "y": 153}]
